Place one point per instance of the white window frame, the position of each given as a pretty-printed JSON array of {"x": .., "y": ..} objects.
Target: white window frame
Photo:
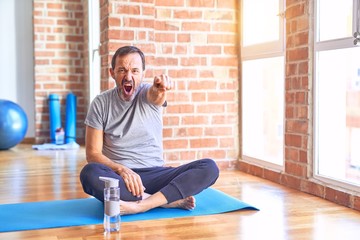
[
  {"x": 347, "y": 42},
  {"x": 261, "y": 51},
  {"x": 269, "y": 49},
  {"x": 93, "y": 48}
]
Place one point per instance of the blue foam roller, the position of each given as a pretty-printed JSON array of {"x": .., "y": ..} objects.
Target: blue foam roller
[
  {"x": 55, "y": 115},
  {"x": 70, "y": 118}
]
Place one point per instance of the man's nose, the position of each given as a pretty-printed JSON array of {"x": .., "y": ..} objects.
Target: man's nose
[{"x": 128, "y": 75}]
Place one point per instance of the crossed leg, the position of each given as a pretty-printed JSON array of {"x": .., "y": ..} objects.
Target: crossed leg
[{"x": 152, "y": 201}]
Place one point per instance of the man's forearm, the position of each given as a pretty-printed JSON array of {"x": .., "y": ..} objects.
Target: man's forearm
[
  {"x": 156, "y": 97},
  {"x": 100, "y": 158}
]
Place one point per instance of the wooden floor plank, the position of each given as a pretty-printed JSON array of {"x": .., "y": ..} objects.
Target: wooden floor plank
[{"x": 28, "y": 175}]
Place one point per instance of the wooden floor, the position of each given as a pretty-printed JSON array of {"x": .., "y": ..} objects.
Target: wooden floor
[{"x": 29, "y": 175}]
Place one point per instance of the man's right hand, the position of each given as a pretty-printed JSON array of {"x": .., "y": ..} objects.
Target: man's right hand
[{"x": 132, "y": 181}]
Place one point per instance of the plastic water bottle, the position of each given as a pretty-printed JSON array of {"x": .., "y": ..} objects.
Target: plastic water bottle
[
  {"x": 112, "y": 217},
  {"x": 59, "y": 136}
]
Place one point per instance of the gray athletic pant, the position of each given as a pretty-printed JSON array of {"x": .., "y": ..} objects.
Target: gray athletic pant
[{"x": 173, "y": 182}]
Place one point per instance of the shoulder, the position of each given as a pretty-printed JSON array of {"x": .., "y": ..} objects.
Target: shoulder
[
  {"x": 106, "y": 96},
  {"x": 102, "y": 102},
  {"x": 144, "y": 86}
]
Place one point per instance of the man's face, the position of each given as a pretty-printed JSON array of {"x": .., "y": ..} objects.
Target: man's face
[{"x": 128, "y": 75}]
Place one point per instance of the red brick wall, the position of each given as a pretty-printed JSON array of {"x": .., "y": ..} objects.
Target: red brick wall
[
  {"x": 298, "y": 112},
  {"x": 195, "y": 43},
  {"x": 59, "y": 60}
]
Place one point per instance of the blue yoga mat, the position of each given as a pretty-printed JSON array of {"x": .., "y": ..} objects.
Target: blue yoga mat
[
  {"x": 54, "y": 114},
  {"x": 70, "y": 121},
  {"x": 77, "y": 212}
]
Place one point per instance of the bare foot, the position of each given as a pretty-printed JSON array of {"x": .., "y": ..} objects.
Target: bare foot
[
  {"x": 186, "y": 203},
  {"x": 129, "y": 207},
  {"x": 153, "y": 201}
]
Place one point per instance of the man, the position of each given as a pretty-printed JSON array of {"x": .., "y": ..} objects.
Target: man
[{"x": 124, "y": 141}]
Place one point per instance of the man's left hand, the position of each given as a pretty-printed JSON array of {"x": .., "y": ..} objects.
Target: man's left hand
[{"x": 163, "y": 83}]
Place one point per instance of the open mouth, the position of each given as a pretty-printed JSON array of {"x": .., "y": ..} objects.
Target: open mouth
[{"x": 128, "y": 88}]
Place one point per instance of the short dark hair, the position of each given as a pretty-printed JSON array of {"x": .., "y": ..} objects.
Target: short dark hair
[{"x": 125, "y": 51}]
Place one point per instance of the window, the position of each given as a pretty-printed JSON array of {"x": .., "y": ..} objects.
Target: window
[
  {"x": 94, "y": 45},
  {"x": 337, "y": 96},
  {"x": 262, "y": 55}
]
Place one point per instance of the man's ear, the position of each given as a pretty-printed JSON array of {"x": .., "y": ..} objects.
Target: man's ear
[{"x": 112, "y": 73}]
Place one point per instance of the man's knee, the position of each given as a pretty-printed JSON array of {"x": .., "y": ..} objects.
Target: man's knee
[
  {"x": 206, "y": 174},
  {"x": 210, "y": 168},
  {"x": 88, "y": 172}
]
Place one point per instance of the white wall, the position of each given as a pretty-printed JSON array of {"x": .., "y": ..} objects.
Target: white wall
[{"x": 16, "y": 58}]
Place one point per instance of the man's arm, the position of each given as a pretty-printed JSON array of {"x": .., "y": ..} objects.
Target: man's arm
[
  {"x": 157, "y": 92},
  {"x": 93, "y": 147}
]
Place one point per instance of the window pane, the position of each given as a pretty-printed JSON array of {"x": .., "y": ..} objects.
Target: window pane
[
  {"x": 260, "y": 24},
  {"x": 338, "y": 114},
  {"x": 263, "y": 109},
  {"x": 334, "y": 19}
]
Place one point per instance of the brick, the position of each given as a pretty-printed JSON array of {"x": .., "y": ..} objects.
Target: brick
[
  {"x": 224, "y": 27},
  {"x": 226, "y": 142},
  {"x": 337, "y": 196},
  {"x": 291, "y": 181},
  {"x": 207, "y": 50},
  {"x": 180, "y": 50},
  {"x": 272, "y": 176},
  {"x": 292, "y": 140},
  {"x": 221, "y": 119},
  {"x": 203, "y": 143},
  {"x": 165, "y": 37},
  {"x": 210, "y": 108},
  {"x": 195, "y": 26},
  {"x": 184, "y": 108},
  {"x": 300, "y": 97},
  {"x": 313, "y": 188},
  {"x": 183, "y": 37},
  {"x": 175, "y": 144},
  {"x": 187, "y": 14},
  {"x": 222, "y": 61},
  {"x": 193, "y": 61},
  {"x": 167, "y": 3},
  {"x": 219, "y": 15},
  {"x": 218, "y": 131},
  {"x": 194, "y": 120},
  {"x": 206, "y": 74},
  {"x": 127, "y": 9},
  {"x": 201, "y": 3},
  {"x": 221, "y": 38},
  {"x": 168, "y": 61},
  {"x": 292, "y": 154},
  {"x": 171, "y": 120},
  {"x": 214, "y": 154},
  {"x": 295, "y": 169},
  {"x": 231, "y": 4},
  {"x": 297, "y": 126},
  {"x": 297, "y": 54},
  {"x": 357, "y": 203},
  {"x": 301, "y": 39},
  {"x": 221, "y": 97},
  {"x": 188, "y": 155},
  {"x": 167, "y": 26},
  {"x": 295, "y": 11}
]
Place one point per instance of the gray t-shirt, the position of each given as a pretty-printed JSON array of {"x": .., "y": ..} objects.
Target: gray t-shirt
[{"x": 132, "y": 130}]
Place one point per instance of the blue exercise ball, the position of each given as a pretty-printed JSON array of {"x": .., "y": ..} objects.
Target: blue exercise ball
[{"x": 13, "y": 124}]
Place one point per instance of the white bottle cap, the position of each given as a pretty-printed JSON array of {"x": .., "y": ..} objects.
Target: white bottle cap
[{"x": 110, "y": 182}]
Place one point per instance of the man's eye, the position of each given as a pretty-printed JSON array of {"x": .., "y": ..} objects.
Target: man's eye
[{"x": 121, "y": 70}]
